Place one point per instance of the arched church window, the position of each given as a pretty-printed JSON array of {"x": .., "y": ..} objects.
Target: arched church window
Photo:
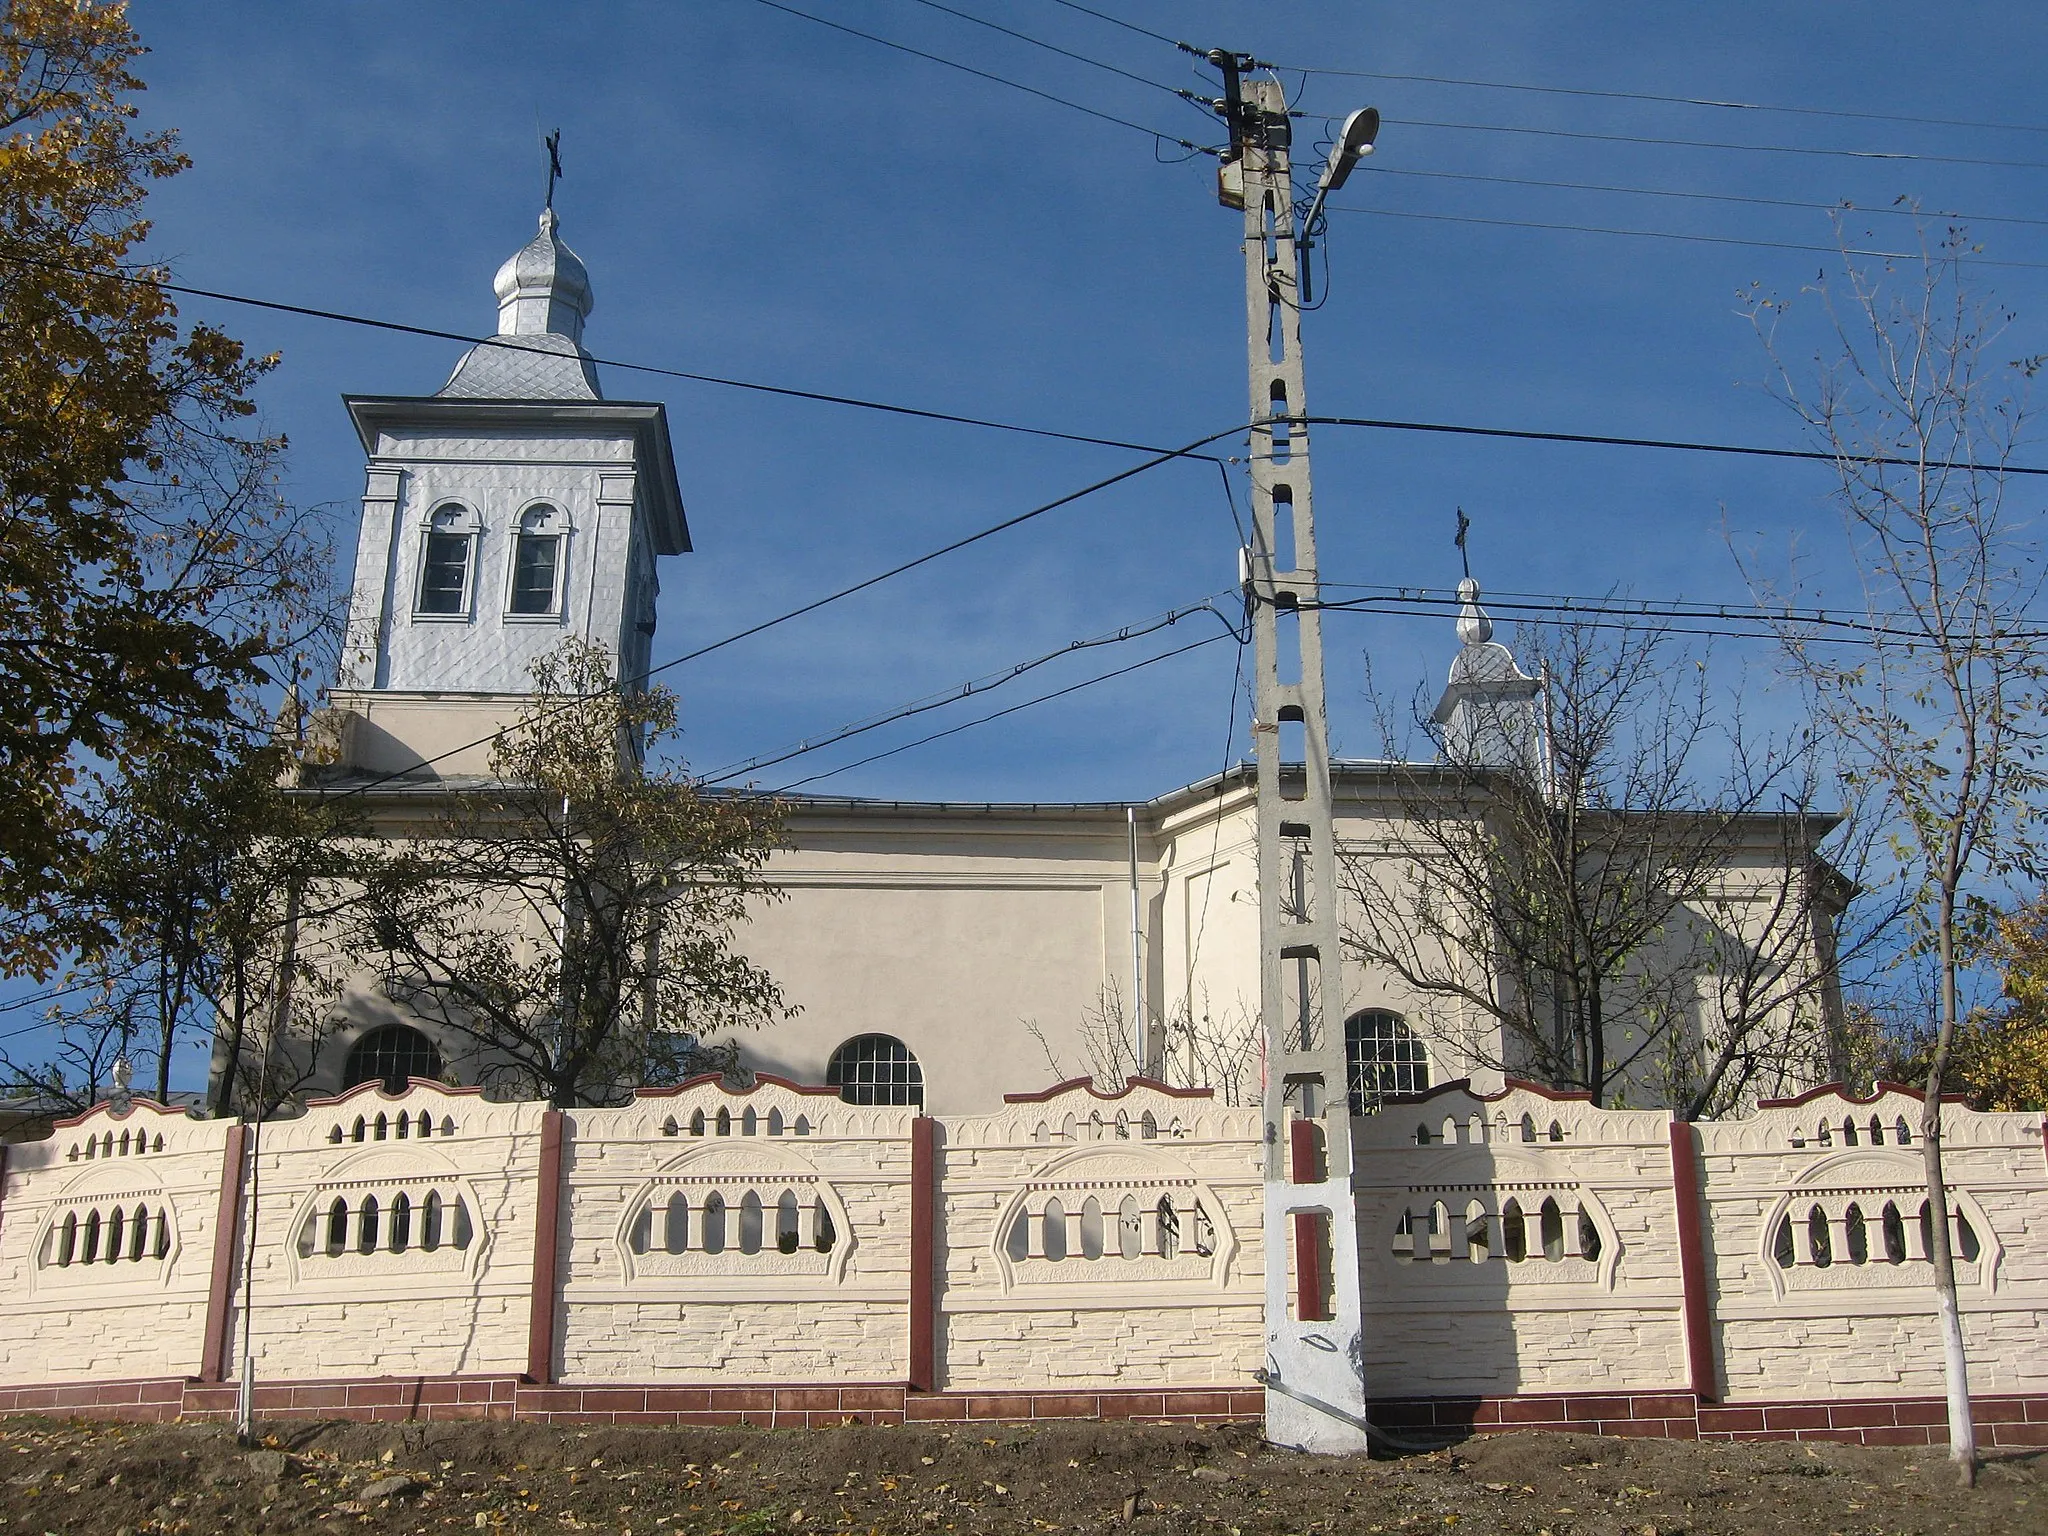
[
  {"x": 537, "y": 562},
  {"x": 876, "y": 1069},
  {"x": 445, "y": 564},
  {"x": 389, "y": 1056},
  {"x": 1382, "y": 1056}
]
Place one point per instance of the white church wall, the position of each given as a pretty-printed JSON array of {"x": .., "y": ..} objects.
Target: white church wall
[
  {"x": 1852, "y": 1314},
  {"x": 78, "y": 1307},
  {"x": 1093, "y": 1242},
  {"x": 956, "y": 942},
  {"x": 759, "y": 1237}
]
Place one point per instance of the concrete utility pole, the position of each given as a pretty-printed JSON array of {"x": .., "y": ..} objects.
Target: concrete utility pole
[{"x": 1314, "y": 1372}]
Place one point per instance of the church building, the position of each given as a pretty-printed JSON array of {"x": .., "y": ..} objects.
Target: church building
[{"x": 940, "y": 954}]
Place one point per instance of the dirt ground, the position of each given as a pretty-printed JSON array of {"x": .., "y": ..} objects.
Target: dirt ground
[{"x": 115, "y": 1480}]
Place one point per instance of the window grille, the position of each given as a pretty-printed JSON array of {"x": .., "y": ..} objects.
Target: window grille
[
  {"x": 876, "y": 1069},
  {"x": 1383, "y": 1056},
  {"x": 391, "y": 1055},
  {"x": 536, "y": 556},
  {"x": 444, "y": 574}
]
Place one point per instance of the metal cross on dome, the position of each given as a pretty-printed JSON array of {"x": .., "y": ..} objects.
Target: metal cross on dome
[{"x": 554, "y": 144}]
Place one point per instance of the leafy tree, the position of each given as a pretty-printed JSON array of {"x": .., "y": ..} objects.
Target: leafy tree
[
  {"x": 574, "y": 919},
  {"x": 147, "y": 566},
  {"x": 186, "y": 922},
  {"x": 2000, "y": 1056},
  {"x": 1938, "y": 703},
  {"x": 1594, "y": 884}
]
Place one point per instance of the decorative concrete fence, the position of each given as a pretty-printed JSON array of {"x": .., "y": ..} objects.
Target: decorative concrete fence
[
  {"x": 1530, "y": 1260},
  {"x": 778, "y": 1256}
]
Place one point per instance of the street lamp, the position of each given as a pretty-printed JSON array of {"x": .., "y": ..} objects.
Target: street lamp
[{"x": 1354, "y": 142}]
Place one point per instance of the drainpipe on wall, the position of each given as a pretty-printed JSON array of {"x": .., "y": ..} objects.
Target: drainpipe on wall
[{"x": 1138, "y": 1033}]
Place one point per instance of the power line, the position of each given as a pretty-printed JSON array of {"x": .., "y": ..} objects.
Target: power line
[
  {"x": 974, "y": 689},
  {"x": 434, "y": 333},
  {"x": 1593, "y": 618},
  {"x": 1709, "y": 197},
  {"x": 1216, "y": 822},
  {"x": 1029, "y": 90},
  {"x": 1682, "y": 101},
  {"x": 813, "y": 606},
  {"x": 17, "y": 1004},
  {"x": 1604, "y": 441},
  {"x": 1752, "y": 149},
  {"x": 1058, "y": 693},
  {"x": 1664, "y": 234},
  {"x": 1064, "y": 53},
  {"x": 1763, "y": 619},
  {"x": 1128, "y": 26}
]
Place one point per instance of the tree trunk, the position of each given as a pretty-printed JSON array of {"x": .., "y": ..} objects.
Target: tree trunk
[
  {"x": 224, "y": 1090},
  {"x": 1962, "y": 1431},
  {"x": 1595, "y": 1026}
]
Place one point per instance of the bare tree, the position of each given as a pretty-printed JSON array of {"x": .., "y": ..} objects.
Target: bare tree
[
  {"x": 575, "y": 918},
  {"x": 1191, "y": 1047},
  {"x": 1593, "y": 885},
  {"x": 1938, "y": 702}
]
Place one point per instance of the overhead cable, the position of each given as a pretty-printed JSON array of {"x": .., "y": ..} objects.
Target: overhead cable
[
  {"x": 1665, "y": 234},
  {"x": 1043, "y": 698},
  {"x": 1760, "y": 621},
  {"x": 974, "y": 689},
  {"x": 1829, "y": 152},
  {"x": 1029, "y": 90},
  {"x": 1857, "y": 210},
  {"x": 1079, "y": 58},
  {"x": 1678, "y": 445},
  {"x": 1680, "y": 101},
  {"x": 784, "y": 391},
  {"x": 1128, "y": 26},
  {"x": 813, "y": 606}
]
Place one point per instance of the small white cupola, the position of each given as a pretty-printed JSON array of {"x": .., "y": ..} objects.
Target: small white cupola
[
  {"x": 1487, "y": 713},
  {"x": 543, "y": 288},
  {"x": 544, "y": 296}
]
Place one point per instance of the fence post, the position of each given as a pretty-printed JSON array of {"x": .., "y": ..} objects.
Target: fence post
[
  {"x": 924, "y": 1279},
  {"x": 1687, "y": 1195},
  {"x": 227, "y": 1229},
  {"x": 547, "y": 1242}
]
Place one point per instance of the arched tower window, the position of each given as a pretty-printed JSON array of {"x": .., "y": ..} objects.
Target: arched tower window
[
  {"x": 876, "y": 1069},
  {"x": 446, "y": 561},
  {"x": 1382, "y": 1056},
  {"x": 389, "y": 1056},
  {"x": 537, "y": 562}
]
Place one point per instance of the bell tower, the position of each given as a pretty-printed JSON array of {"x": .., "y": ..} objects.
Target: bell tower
[{"x": 513, "y": 508}]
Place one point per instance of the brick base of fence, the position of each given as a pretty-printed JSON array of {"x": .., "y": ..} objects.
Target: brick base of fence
[
  {"x": 2006, "y": 1421},
  {"x": 512, "y": 1397},
  {"x": 2001, "y": 1421}
]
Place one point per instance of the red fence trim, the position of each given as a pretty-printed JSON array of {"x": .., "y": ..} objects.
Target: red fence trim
[
  {"x": 924, "y": 1275},
  {"x": 227, "y": 1231},
  {"x": 547, "y": 1244},
  {"x": 1692, "y": 1264}
]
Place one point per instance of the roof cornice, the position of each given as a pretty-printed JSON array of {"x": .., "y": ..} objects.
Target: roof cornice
[{"x": 646, "y": 420}]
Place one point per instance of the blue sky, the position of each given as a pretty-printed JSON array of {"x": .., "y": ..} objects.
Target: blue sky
[{"x": 760, "y": 197}]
